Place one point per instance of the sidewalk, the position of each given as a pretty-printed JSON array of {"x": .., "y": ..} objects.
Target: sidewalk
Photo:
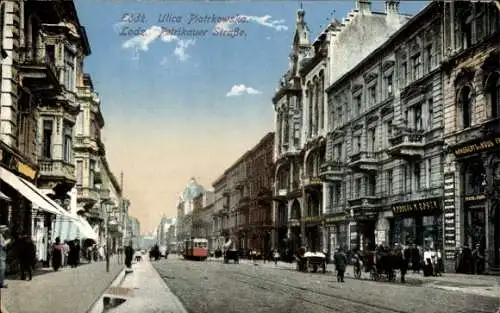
[
  {"x": 145, "y": 292},
  {"x": 68, "y": 290}
]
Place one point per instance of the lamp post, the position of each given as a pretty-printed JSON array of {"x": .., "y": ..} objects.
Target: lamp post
[{"x": 106, "y": 209}]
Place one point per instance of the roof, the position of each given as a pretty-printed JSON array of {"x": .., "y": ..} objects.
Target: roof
[{"x": 192, "y": 190}]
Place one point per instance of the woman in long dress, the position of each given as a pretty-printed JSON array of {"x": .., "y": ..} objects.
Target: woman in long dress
[{"x": 57, "y": 254}]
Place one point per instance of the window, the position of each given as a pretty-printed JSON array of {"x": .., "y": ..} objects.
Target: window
[
  {"x": 389, "y": 129},
  {"x": 389, "y": 85},
  {"x": 372, "y": 185},
  {"x": 91, "y": 173},
  {"x": 417, "y": 115},
  {"x": 466, "y": 29},
  {"x": 416, "y": 173},
  {"x": 338, "y": 193},
  {"x": 357, "y": 144},
  {"x": 357, "y": 101},
  {"x": 339, "y": 151},
  {"x": 405, "y": 169},
  {"x": 430, "y": 59},
  {"x": 309, "y": 95},
  {"x": 493, "y": 94},
  {"x": 79, "y": 172},
  {"x": 47, "y": 139},
  {"x": 69, "y": 70},
  {"x": 371, "y": 140},
  {"x": 390, "y": 182},
  {"x": 428, "y": 177},
  {"x": 68, "y": 143},
  {"x": 340, "y": 118},
  {"x": 372, "y": 95},
  {"x": 465, "y": 106},
  {"x": 430, "y": 114},
  {"x": 331, "y": 197},
  {"x": 403, "y": 75},
  {"x": 286, "y": 131},
  {"x": 50, "y": 53},
  {"x": 357, "y": 191},
  {"x": 416, "y": 66}
]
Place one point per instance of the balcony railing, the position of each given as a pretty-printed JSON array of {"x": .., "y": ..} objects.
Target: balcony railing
[
  {"x": 407, "y": 143},
  {"x": 85, "y": 142},
  {"x": 332, "y": 170},
  {"x": 57, "y": 168},
  {"x": 363, "y": 161},
  {"x": 39, "y": 66},
  {"x": 88, "y": 193},
  {"x": 365, "y": 201}
]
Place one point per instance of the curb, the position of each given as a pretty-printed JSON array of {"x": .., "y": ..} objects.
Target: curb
[{"x": 117, "y": 280}]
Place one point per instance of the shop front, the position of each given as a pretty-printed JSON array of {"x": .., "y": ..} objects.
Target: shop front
[
  {"x": 337, "y": 229},
  {"x": 479, "y": 189},
  {"x": 419, "y": 223}
]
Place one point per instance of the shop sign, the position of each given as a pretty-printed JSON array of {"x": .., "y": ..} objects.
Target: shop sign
[
  {"x": 475, "y": 197},
  {"x": 25, "y": 170},
  {"x": 449, "y": 216},
  {"x": 478, "y": 146},
  {"x": 417, "y": 206},
  {"x": 334, "y": 219}
]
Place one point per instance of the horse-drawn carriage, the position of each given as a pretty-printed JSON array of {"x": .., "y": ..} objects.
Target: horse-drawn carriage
[
  {"x": 310, "y": 261},
  {"x": 382, "y": 262}
]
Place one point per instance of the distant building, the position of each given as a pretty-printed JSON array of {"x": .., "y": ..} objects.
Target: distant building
[{"x": 185, "y": 207}]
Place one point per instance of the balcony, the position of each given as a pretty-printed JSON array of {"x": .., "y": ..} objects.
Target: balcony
[
  {"x": 89, "y": 196},
  {"x": 57, "y": 170},
  {"x": 85, "y": 143},
  {"x": 95, "y": 214},
  {"x": 312, "y": 182},
  {"x": 332, "y": 171},
  {"x": 406, "y": 145},
  {"x": 281, "y": 194},
  {"x": 39, "y": 74},
  {"x": 365, "y": 207},
  {"x": 363, "y": 162}
]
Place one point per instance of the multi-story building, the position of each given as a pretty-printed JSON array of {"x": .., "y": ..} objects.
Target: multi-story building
[
  {"x": 202, "y": 214},
  {"x": 134, "y": 231},
  {"x": 472, "y": 130},
  {"x": 243, "y": 206},
  {"x": 88, "y": 150},
  {"x": 163, "y": 228},
  {"x": 219, "y": 215},
  {"x": 62, "y": 43},
  {"x": 259, "y": 225},
  {"x": 384, "y": 158},
  {"x": 302, "y": 113}
]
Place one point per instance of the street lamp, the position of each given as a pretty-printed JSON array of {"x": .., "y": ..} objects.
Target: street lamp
[{"x": 107, "y": 209}]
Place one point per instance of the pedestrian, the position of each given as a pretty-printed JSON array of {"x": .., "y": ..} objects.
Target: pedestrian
[
  {"x": 340, "y": 264},
  {"x": 3, "y": 254},
  {"x": 27, "y": 257},
  {"x": 65, "y": 253},
  {"x": 77, "y": 252},
  {"x": 276, "y": 256},
  {"x": 129, "y": 254},
  {"x": 57, "y": 254}
]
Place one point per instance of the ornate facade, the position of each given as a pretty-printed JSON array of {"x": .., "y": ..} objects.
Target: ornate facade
[{"x": 472, "y": 130}]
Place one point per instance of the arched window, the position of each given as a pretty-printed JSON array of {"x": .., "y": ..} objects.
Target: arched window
[
  {"x": 465, "y": 106},
  {"x": 493, "y": 94},
  {"x": 316, "y": 105},
  {"x": 310, "y": 108}
]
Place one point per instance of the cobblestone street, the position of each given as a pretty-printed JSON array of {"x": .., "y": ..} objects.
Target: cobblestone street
[{"x": 216, "y": 287}]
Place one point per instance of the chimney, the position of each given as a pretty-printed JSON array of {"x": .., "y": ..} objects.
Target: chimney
[
  {"x": 364, "y": 6},
  {"x": 392, "y": 7}
]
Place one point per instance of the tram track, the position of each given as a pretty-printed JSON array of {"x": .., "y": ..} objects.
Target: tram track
[{"x": 267, "y": 284}]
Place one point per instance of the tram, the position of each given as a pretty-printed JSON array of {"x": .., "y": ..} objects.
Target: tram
[{"x": 196, "y": 249}]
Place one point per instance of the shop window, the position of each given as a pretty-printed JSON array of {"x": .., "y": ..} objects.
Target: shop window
[
  {"x": 475, "y": 178},
  {"x": 493, "y": 94},
  {"x": 465, "y": 106}
]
